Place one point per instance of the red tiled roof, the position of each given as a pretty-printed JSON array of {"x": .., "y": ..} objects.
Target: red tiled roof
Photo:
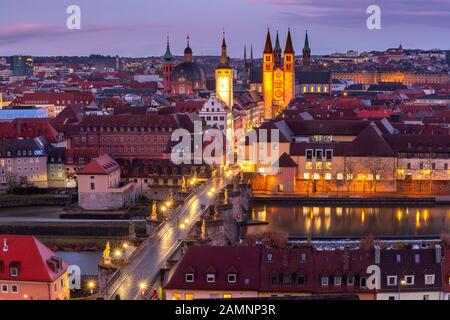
[
  {"x": 102, "y": 165},
  {"x": 56, "y": 98},
  {"x": 28, "y": 128},
  {"x": 244, "y": 261},
  {"x": 30, "y": 256}
]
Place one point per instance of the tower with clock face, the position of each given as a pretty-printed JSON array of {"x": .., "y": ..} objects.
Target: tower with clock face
[
  {"x": 224, "y": 78},
  {"x": 278, "y": 76}
]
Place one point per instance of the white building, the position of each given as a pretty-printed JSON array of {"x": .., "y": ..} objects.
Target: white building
[{"x": 216, "y": 113}]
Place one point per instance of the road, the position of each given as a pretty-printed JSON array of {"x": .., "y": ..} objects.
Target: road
[{"x": 160, "y": 246}]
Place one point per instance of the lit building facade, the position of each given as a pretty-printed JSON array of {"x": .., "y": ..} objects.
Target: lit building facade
[
  {"x": 224, "y": 78},
  {"x": 278, "y": 76}
]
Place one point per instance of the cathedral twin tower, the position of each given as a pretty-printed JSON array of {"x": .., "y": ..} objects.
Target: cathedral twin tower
[{"x": 278, "y": 80}]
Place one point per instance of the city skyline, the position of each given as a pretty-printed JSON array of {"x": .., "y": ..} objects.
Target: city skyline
[{"x": 140, "y": 28}]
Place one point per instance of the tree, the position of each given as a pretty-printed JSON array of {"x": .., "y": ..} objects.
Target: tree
[
  {"x": 377, "y": 168},
  {"x": 348, "y": 169}
]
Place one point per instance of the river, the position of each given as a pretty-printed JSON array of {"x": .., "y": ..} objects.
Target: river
[
  {"x": 352, "y": 221},
  {"x": 87, "y": 261}
]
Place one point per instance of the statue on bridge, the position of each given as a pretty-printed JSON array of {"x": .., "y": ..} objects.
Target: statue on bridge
[{"x": 107, "y": 255}]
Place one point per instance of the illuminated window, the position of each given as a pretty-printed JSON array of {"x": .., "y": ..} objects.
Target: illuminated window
[
  {"x": 378, "y": 177},
  {"x": 311, "y": 89},
  {"x": 304, "y": 89},
  {"x": 340, "y": 176},
  {"x": 349, "y": 176},
  {"x": 189, "y": 296},
  {"x": 370, "y": 177},
  {"x": 227, "y": 296},
  {"x": 309, "y": 165},
  {"x": 316, "y": 176},
  {"x": 327, "y": 176},
  {"x": 328, "y": 165},
  {"x": 319, "y": 165},
  {"x": 318, "y": 89},
  {"x": 306, "y": 176},
  {"x": 325, "y": 89},
  {"x": 176, "y": 296}
]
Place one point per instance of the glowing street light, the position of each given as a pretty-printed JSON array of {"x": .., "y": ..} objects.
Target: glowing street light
[
  {"x": 117, "y": 253},
  {"x": 125, "y": 245},
  {"x": 168, "y": 204},
  {"x": 186, "y": 221},
  {"x": 182, "y": 226},
  {"x": 91, "y": 286},
  {"x": 143, "y": 286}
]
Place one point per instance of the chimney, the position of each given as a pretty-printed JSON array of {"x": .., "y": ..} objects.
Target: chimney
[
  {"x": 377, "y": 254},
  {"x": 438, "y": 252}
]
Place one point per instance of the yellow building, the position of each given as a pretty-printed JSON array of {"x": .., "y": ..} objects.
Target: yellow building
[
  {"x": 224, "y": 78},
  {"x": 278, "y": 76}
]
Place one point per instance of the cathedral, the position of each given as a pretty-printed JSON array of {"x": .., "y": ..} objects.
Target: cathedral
[
  {"x": 278, "y": 76},
  {"x": 187, "y": 78}
]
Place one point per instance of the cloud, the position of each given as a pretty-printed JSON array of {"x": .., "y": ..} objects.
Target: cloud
[{"x": 352, "y": 13}]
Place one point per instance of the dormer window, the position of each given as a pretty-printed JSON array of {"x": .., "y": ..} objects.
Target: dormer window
[
  {"x": 269, "y": 257},
  {"x": 13, "y": 272},
  {"x": 429, "y": 279},
  {"x": 409, "y": 280},
  {"x": 189, "y": 277},
  {"x": 210, "y": 278},
  {"x": 232, "y": 277}
]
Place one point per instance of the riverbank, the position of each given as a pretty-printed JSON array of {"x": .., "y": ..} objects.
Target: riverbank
[
  {"x": 79, "y": 244},
  {"x": 350, "y": 198}
]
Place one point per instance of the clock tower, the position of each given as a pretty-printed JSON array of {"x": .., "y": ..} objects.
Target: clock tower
[{"x": 225, "y": 77}]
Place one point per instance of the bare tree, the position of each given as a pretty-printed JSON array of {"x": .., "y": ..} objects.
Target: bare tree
[
  {"x": 377, "y": 168},
  {"x": 349, "y": 170}
]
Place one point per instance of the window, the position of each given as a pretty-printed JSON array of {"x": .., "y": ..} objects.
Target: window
[
  {"x": 14, "y": 288},
  {"x": 398, "y": 258},
  {"x": 392, "y": 280},
  {"x": 92, "y": 186},
  {"x": 429, "y": 279},
  {"x": 362, "y": 282},
  {"x": 329, "y": 155},
  {"x": 13, "y": 272},
  {"x": 391, "y": 297},
  {"x": 4, "y": 288},
  {"x": 303, "y": 257},
  {"x": 227, "y": 296},
  {"x": 232, "y": 278},
  {"x": 340, "y": 176},
  {"x": 337, "y": 281},
  {"x": 176, "y": 296},
  {"x": 189, "y": 296},
  {"x": 319, "y": 155},
  {"x": 350, "y": 280},
  {"x": 409, "y": 280},
  {"x": 306, "y": 175},
  {"x": 324, "y": 281},
  {"x": 309, "y": 155},
  {"x": 301, "y": 280},
  {"x": 210, "y": 278},
  {"x": 417, "y": 258},
  {"x": 269, "y": 257},
  {"x": 189, "y": 277}
]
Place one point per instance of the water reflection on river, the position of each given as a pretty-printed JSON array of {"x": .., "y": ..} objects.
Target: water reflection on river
[{"x": 340, "y": 221}]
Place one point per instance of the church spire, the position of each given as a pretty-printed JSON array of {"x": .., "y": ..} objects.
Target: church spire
[
  {"x": 306, "y": 46},
  {"x": 268, "y": 47},
  {"x": 188, "y": 52},
  {"x": 289, "y": 48},
  {"x": 277, "y": 44},
  {"x": 224, "y": 58},
  {"x": 168, "y": 57},
  {"x": 306, "y": 51}
]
